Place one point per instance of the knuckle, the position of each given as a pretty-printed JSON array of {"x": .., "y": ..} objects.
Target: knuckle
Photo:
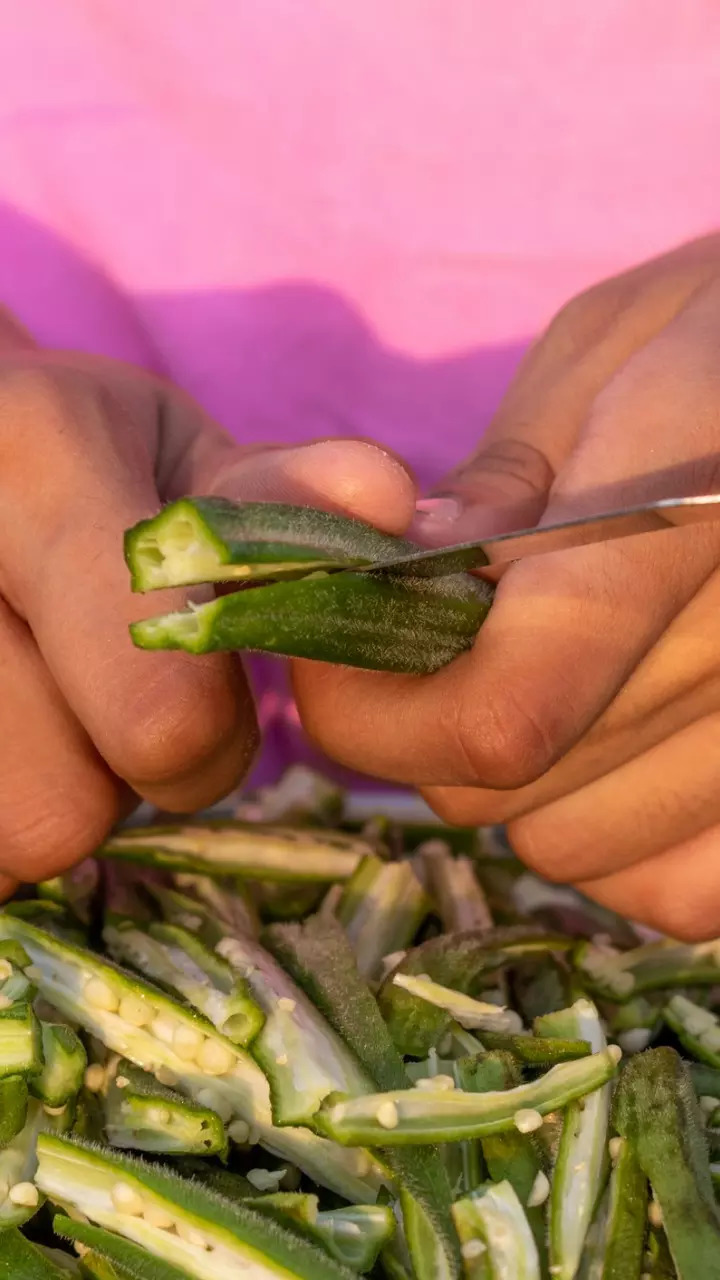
[
  {"x": 507, "y": 747},
  {"x": 534, "y": 843},
  {"x": 43, "y": 834}
]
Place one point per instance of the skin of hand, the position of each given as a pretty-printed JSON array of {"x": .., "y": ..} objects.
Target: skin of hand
[
  {"x": 88, "y": 447},
  {"x": 587, "y": 714}
]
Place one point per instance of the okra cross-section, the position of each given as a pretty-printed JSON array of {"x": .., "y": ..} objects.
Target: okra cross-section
[
  {"x": 430, "y": 1115},
  {"x": 180, "y": 1221}
]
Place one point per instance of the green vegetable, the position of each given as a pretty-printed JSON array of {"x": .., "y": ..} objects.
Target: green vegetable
[
  {"x": 656, "y": 1111},
  {"x": 20, "y": 1041},
  {"x": 453, "y": 884},
  {"x": 621, "y": 975},
  {"x": 242, "y": 849},
  {"x": 143, "y": 1115},
  {"x": 422, "y": 1116},
  {"x": 64, "y": 1066},
  {"x": 414, "y": 625},
  {"x": 495, "y": 1235},
  {"x": 382, "y": 907},
  {"x": 197, "y": 540},
  {"x": 356, "y": 1235},
  {"x": 470, "y": 1013},
  {"x": 627, "y": 1216},
  {"x": 21, "y": 1260},
  {"x": 697, "y": 1029},
  {"x": 182, "y": 1222},
  {"x": 535, "y": 1051},
  {"x": 13, "y": 1107}
]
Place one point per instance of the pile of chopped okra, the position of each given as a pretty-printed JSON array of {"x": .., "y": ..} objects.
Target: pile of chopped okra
[{"x": 287, "y": 1045}]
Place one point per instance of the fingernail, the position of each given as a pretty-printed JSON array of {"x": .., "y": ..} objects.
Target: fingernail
[{"x": 437, "y": 510}]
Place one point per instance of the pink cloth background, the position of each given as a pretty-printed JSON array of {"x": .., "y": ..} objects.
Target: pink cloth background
[{"x": 348, "y": 215}]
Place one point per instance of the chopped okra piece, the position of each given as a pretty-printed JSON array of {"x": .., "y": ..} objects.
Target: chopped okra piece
[
  {"x": 227, "y": 900},
  {"x": 627, "y": 1215},
  {"x": 705, "y": 1079},
  {"x": 422, "y": 1116},
  {"x": 355, "y": 1235},
  {"x": 19, "y": 1196},
  {"x": 22, "y": 1260},
  {"x": 453, "y": 884},
  {"x": 13, "y": 1107},
  {"x": 197, "y": 540},
  {"x": 656, "y": 1111},
  {"x": 697, "y": 1029},
  {"x": 63, "y": 1072},
  {"x": 181, "y": 1222},
  {"x": 302, "y": 796},
  {"x": 242, "y": 849},
  {"x": 381, "y": 910},
  {"x": 621, "y": 975},
  {"x": 163, "y": 1036},
  {"x": 178, "y": 961},
  {"x": 20, "y": 1041},
  {"x": 143, "y": 1115},
  {"x": 474, "y": 1015},
  {"x": 48, "y": 915},
  {"x": 376, "y": 622},
  {"x": 581, "y": 1162},
  {"x": 495, "y": 1236},
  {"x": 106, "y": 1256},
  {"x": 535, "y": 1051}
]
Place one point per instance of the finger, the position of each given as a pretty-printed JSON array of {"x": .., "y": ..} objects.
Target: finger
[
  {"x": 676, "y": 684},
  {"x": 8, "y": 887},
  {"x": 181, "y": 732},
  {"x": 677, "y": 893},
  {"x": 57, "y": 798},
  {"x": 354, "y": 477}
]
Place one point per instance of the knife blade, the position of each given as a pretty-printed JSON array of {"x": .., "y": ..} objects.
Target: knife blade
[{"x": 606, "y": 526}]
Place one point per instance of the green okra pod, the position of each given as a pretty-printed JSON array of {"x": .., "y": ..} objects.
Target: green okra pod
[
  {"x": 107, "y": 1256},
  {"x": 20, "y": 1041},
  {"x": 356, "y": 1235},
  {"x": 197, "y": 540},
  {"x": 697, "y": 1029},
  {"x": 181, "y": 1222},
  {"x": 243, "y": 849},
  {"x": 22, "y": 1260},
  {"x": 535, "y": 1051},
  {"x": 423, "y": 1116},
  {"x": 413, "y": 625},
  {"x": 143, "y": 1115},
  {"x": 13, "y": 1107},
  {"x": 655, "y": 966},
  {"x": 626, "y": 1224},
  {"x": 496, "y": 1240},
  {"x": 64, "y": 1064},
  {"x": 474, "y": 1015},
  {"x": 656, "y": 1111},
  {"x": 381, "y": 909}
]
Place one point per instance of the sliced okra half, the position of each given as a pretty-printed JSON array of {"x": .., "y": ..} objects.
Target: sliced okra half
[
  {"x": 495, "y": 1235},
  {"x": 141, "y": 1114},
  {"x": 381, "y": 909},
  {"x": 655, "y": 966},
  {"x": 180, "y": 1222}
]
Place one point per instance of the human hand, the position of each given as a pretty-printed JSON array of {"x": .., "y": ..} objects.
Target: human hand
[
  {"x": 88, "y": 447},
  {"x": 587, "y": 715}
]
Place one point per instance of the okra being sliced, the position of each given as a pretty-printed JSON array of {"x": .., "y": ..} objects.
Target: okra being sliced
[
  {"x": 181, "y": 1222},
  {"x": 355, "y": 1235},
  {"x": 376, "y": 622},
  {"x": 143, "y": 1115},
  {"x": 302, "y": 1056},
  {"x": 463, "y": 962},
  {"x": 242, "y": 849},
  {"x": 20, "y": 1041},
  {"x": 319, "y": 957},
  {"x": 496, "y": 1240},
  {"x": 22, "y": 1260},
  {"x": 581, "y": 1163},
  {"x": 656, "y": 1111},
  {"x": 197, "y": 540},
  {"x": 64, "y": 1064},
  {"x": 157, "y": 1033},
  {"x": 474, "y": 1015},
  {"x": 655, "y": 966},
  {"x": 696, "y": 1028},
  {"x": 177, "y": 960},
  {"x": 381, "y": 910},
  {"x": 422, "y": 1116}
]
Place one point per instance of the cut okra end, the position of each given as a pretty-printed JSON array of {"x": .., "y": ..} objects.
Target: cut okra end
[{"x": 376, "y": 622}]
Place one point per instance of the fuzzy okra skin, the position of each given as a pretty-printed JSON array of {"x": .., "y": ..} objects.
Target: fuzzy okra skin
[
  {"x": 143, "y": 1115},
  {"x": 107, "y": 1256},
  {"x": 22, "y": 1260},
  {"x": 161, "y": 1035},
  {"x": 381, "y": 910},
  {"x": 64, "y": 1063},
  {"x": 422, "y": 1116},
  {"x": 655, "y": 1110},
  {"x": 179, "y": 1221},
  {"x": 243, "y": 849},
  {"x": 197, "y": 540},
  {"x": 626, "y": 1223},
  {"x": 13, "y": 1107},
  {"x": 372, "y": 621}
]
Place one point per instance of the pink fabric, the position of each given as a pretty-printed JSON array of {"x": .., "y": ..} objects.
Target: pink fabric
[{"x": 348, "y": 215}]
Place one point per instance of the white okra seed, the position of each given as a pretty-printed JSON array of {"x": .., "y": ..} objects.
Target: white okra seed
[
  {"x": 191, "y": 1235},
  {"x": 539, "y": 1191},
  {"x": 440, "y": 1082},
  {"x": 615, "y": 1146},
  {"x": 187, "y": 1042},
  {"x": 25, "y": 1195},
  {"x": 215, "y": 1058},
  {"x": 472, "y": 1248},
  {"x": 95, "y": 1078},
  {"x": 163, "y": 1028},
  {"x": 122, "y": 1082},
  {"x": 387, "y": 1115},
  {"x": 135, "y": 1011},
  {"x": 158, "y": 1115},
  {"x": 166, "y": 1076},
  {"x": 5, "y": 970},
  {"x": 655, "y": 1215},
  {"x": 127, "y": 1200},
  {"x": 54, "y": 1111},
  {"x": 101, "y": 996},
  {"x": 266, "y": 1179},
  {"x": 287, "y": 1004},
  {"x": 156, "y": 1216},
  {"x": 527, "y": 1120}
]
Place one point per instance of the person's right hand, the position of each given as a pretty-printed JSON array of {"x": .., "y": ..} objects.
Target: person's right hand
[{"x": 87, "y": 448}]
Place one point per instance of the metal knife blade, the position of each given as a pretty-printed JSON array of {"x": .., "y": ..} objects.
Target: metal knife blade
[{"x": 624, "y": 522}]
